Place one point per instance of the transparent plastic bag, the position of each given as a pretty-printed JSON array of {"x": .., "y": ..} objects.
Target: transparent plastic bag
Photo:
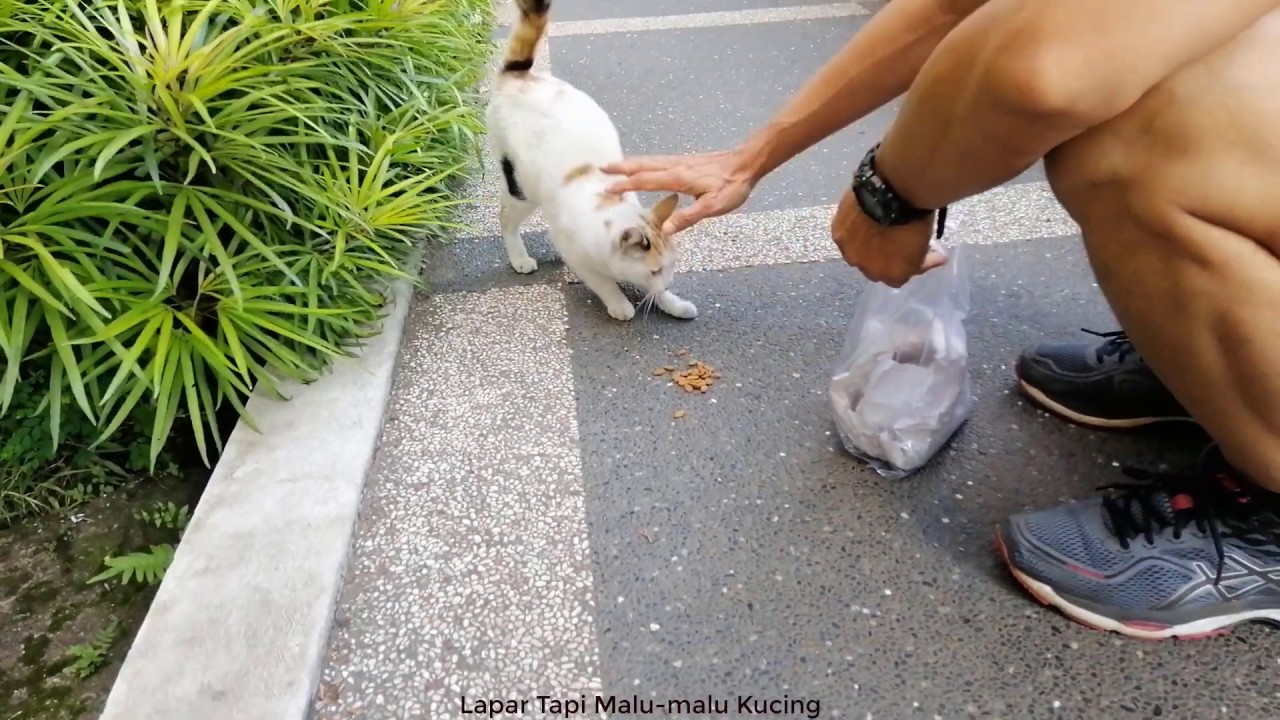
[{"x": 901, "y": 388}]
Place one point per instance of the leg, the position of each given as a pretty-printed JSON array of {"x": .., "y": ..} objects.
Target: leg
[
  {"x": 1177, "y": 203},
  {"x": 1176, "y": 198},
  {"x": 676, "y": 306},
  {"x": 619, "y": 307},
  {"x": 511, "y": 214}
]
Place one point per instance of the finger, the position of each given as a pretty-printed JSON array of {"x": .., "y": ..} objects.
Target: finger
[
  {"x": 652, "y": 181},
  {"x": 898, "y": 276},
  {"x": 872, "y": 275},
  {"x": 878, "y": 274},
  {"x": 642, "y": 163},
  {"x": 933, "y": 260},
  {"x": 686, "y": 218},
  {"x": 887, "y": 274}
]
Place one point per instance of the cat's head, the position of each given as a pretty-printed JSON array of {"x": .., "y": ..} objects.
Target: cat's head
[{"x": 643, "y": 255}]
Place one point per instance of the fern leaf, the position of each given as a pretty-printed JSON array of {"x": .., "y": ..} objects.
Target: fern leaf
[
  {"x": 145, "y": 567},
  {"x": 107, "y": 636},
  {"x": 87, "y": 659}
]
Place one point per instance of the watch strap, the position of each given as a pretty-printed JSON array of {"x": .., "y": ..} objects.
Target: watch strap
[{"x": 890, "y": 207}]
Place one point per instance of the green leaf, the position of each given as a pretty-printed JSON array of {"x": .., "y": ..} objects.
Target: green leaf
[
  {"x": 129, "y": 361},
  {"x": 148, "y": 568},
  {"x": 121, "y": 414},
  {"x": 30, "y": 284},
  {"x": 55, "y": 401},
  {"x": 173, "y": 240},
  {"x": 213, "y": 243},
  {"x": 168, "y": 393},
  {"x": 109, "y": 152},
  {"x": 193, "y": 403},
  {"x": 62, "y": 346}
]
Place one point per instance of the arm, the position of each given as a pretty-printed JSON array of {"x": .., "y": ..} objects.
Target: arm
[
  {"x": 875, "y": 66},
  {"x": 1019, "y": 78}
]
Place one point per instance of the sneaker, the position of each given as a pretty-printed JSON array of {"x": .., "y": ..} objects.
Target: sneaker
[
  {"x": 1185, "y": 557},
  {"x": 1103, "y": 384}
]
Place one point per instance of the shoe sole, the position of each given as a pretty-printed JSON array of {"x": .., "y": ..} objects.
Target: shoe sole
[
  {"x": 1197, "y": 630},
  {"x": 1095, "y": 422}
]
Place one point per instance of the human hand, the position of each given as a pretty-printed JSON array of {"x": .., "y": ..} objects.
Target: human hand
[
  {"x": 719, "y": 182},
  {"x": 889, "y": 255}
]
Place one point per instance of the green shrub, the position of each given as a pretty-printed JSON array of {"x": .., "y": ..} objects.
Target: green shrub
[
  {"x": 38, "y": 474},
  {"x": 198, "y": 197}
]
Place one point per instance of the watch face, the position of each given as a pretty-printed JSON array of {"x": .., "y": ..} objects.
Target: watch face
[{"x": 869, "y": 203}]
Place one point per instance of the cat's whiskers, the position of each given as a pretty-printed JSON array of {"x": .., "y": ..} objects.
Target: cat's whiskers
[{"x": 646, "y": 303}]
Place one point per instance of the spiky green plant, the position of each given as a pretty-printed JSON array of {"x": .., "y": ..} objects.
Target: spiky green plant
[{"x": 198, "y": 197}]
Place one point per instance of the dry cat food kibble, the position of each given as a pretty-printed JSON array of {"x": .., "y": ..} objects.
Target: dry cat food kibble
[
  {"x": 699, "y": 377},
  {"x": 696, "y": 377}
]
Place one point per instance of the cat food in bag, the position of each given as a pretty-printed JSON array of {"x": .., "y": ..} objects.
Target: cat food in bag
[{"x": 901, "y": 388}]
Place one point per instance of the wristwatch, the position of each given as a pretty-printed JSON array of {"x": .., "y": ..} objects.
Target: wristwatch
[{"x": 881, "y": 202}]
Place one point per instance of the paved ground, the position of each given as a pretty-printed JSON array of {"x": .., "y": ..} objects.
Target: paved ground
[{"x": 537, "y": 522}]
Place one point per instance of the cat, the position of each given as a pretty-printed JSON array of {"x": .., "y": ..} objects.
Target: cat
[{"x": 551, "y": 139}]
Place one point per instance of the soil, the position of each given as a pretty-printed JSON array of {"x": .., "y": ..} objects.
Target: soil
[{"x": 47, "y": 605}]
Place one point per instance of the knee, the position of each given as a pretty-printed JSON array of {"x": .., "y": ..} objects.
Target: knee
[
  {"x": 1079, "y": 178},
  {"x": 1033, "y": 68},
  {"x": 1073, "y": 171},
  {"x": 1099, "y": 177}
]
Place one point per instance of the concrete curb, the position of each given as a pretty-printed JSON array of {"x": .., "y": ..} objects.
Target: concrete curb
[{"x": 239, "y": 626}]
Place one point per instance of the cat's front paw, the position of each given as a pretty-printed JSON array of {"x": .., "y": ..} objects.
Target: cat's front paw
[
  {"x": 524, "y": 265},
  {"x": 623, "y": 312},
  {"x": 678, "y": 307}
]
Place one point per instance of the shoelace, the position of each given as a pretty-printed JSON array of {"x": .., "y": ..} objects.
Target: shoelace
[
  {"x": 1207, "y": 498},
  {"x": 1117, "y": 343},
  {"x": 1141, "y": 509}
]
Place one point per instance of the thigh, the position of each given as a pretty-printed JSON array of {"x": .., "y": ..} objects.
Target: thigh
[{"x": 1205, "y": 142}]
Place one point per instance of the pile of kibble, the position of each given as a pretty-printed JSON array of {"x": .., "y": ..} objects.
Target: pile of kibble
[{"x": 698, "y": 377}]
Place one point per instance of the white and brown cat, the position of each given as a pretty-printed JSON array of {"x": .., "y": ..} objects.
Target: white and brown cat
[{"x": 551, "y": 139}]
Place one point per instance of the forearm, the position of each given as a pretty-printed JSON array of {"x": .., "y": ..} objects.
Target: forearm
[
  {"x": 875, "y": 66},
  {"x": 1020, "y": 77}
]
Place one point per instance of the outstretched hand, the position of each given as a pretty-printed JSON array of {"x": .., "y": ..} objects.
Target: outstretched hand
[{"x": 718, "y": 182}]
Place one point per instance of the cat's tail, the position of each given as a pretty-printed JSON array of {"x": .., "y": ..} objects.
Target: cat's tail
[{"x": 526, "y": 35}]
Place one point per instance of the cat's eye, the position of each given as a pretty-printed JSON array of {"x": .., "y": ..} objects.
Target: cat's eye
[{"x": 656, "y": 273}]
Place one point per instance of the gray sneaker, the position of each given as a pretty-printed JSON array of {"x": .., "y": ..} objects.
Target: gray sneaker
[
  {"x": 1102, "y": 384},
  {"x": 1186, "y": 557}
]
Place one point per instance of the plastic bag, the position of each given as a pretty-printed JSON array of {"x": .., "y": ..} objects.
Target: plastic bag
[{"x": 901, "y": 387}]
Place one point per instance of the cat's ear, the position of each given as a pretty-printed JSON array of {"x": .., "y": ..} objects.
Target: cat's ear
[
  {"x": 664, "y": 208},
  {"x": 634, "y": 239}
]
